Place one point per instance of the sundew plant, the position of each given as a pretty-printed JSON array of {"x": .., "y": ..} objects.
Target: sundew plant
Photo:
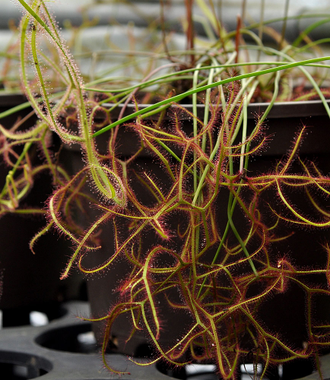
[{"x": 214, "y": 224}]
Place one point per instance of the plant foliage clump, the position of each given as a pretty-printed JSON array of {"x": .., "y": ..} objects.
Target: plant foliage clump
[{"x": 205, "y": 241}]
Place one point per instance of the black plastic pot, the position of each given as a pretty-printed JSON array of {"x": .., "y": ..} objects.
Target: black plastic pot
[
  {"x": 28, "y": 281},
  {"x": 283, "y": 313}
]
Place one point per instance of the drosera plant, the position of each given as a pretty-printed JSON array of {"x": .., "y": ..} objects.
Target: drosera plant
[{"x": 211, "y": 252}]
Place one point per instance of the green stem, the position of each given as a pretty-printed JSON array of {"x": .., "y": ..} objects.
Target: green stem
[{"x": 179, "y": 97}]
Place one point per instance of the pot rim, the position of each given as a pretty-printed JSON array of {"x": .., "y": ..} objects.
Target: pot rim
[{"x": 279, "y": 110}]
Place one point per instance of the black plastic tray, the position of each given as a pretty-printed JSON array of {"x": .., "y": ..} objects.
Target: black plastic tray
[{"x": 21, "y": 346}]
